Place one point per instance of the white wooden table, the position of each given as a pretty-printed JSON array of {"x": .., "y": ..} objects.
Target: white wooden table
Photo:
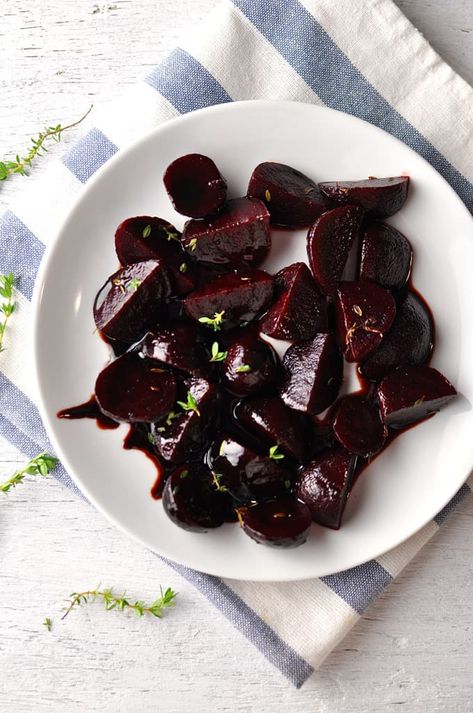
[{"x": 415, "y": 645}]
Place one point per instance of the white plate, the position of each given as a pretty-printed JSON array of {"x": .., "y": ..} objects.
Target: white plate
[{"x": 409, "y": 483}]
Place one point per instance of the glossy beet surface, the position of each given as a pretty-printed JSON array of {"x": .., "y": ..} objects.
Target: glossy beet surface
[
  {"x": 358, "y": 426},
  {"x": 125, "y": 305},
  {"x": 412, "y": 393},
  {"x": 269, "y": 419},
  {"x": 324, "y": 484},
  {"x": 365, "y": 313},
  {"x": 195, "y": 186},
  {"x": 386, "y": 256},
  {"x": 178, "y": 345},
  {"x": 300, "y": 310},
  {"x": 235, "y": 297},
  {"x": 380, "y": 197},
  {"x": 409, "y": 341},
  {"x": 147, "y": 238},
  {"x": 292, "y": 199},
  {"x": 191, "y": 501},
  {"x": 133, "y": 389},
  {"x": 313, "y": 373},
  {"x": 284, "y": 522},
  {"x": 186, "y": 433},
  {"x": 238, "y": 235},
  {"x": 328, "y": 244},
  {"x": 250, "y": 366}
]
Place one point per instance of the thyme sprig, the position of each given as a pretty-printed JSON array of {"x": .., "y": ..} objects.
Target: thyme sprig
[
  {"x": 37, "y": 149},
  {"x": 274, "y": 452},
  {"x": 214, "y": 321},
  {"x": 190, "y": 404},
  {"x": 41, "y": 464},
  {"x": 7, "y": 306},
  {"x": 217, "y": 355},
  {"x": 114, "y": 601}
]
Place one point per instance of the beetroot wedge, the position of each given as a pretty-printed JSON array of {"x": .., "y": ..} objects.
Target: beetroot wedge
[
  {"x": 147, "y": 238},
  {"x": 300, "y": 310},
  {"x": 191, "y": 501},
  {"x": 328, "y": 243},
  {"x": 293, "y": 200},
  {"x": 313, "y": 373},
  {"x": 284, "y": 522},
  {"x": 282, "y": 429},
  {"x": 250, "y": 366},
  {"x": 133, "y": 389},
  {"x": 358, "y": 426},
  {"x": 238, "y": 235},
  {"x": 178, "y": 345},
  {"x": 324, "y": 484},
  {"x": 386, "y": 256},
  {"x": 231, "y": 299},
  {"x": 412, "y": 393},
  {"x": 379, "y": 197},
  {"x": 124, "y": 305},
  {"x": 195, "y": 186},
  {"x": 187, "y": 430},
  {"x": 365, "y": 313},
  {"x": 409, "y": 341}
]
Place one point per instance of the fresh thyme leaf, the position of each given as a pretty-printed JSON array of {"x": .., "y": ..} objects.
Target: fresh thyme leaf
[
  {"x": 147, "y": 231},
  {"x": 214, "y": 321},
  {"x": 192, "y": 244},
  {"x": 183, "y": 267},
  {"x": 171, "y": 234},
  {"x": 7, "y": 307},
  {"x": 170, "y": 417},
  {"x": 221, "y": 451},
  {"x": 190, "y": 404},
  {"x": 113, "y": 601},
  {"x": 243, "y": 369},
  {"x": 287, "y": 484},
  {"x": 48, "y": 623},
  {"x": 274, "y": 454},
  {"x": 133, "y": 284},
  {"x": 217, "y": 355},
  {"x": 216, "y": 480},
  {"x": 267, "y": 195},
  {"x": 37, "y": 149},
  {"x": 41, "y": 464},
  {"x": 151, "y": 439}
]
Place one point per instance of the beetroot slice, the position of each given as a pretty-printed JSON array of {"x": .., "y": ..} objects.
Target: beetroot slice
[
  {"x": 190, "y": 500},
  {"x": 412, "y": 393},
  {"x": 178, "y": 345},
  {"x": 238, "y": 235},
  {"x": 235, "y": 297},
  {"x": 380, "y": 197},
  {"x": 328, "y": 243},
  {"x": 324, "y": 484},
  {"x": 358, "y": 426},
  {"x": 292, "y": 199},
  {"x": 124, "y": 305},
  {"x": 133, "y": 389},
  {"x": 365, "y": 313},
  {"x": 386, "y": 256},
  {"x": 284, "y": 522},
  {"x": 313, "y": 373},
  {"x": 147, "y": 238},
  {"x": 195, "y": 186},
  {"x": 250, "y": 366},
  {"x": 300, "y": 310},
  {"x": 185, "y": 434},
  {"x": 409, "y": 341},
  {"x": 275, "y": 424}
]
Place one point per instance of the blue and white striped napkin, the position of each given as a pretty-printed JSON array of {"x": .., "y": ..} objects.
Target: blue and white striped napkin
[{"x": 360, "y": 56}]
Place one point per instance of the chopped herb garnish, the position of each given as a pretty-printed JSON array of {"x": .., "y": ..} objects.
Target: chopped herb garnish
[
  {"x": 192, "y": 244},
  {"x": 287, "y": 484},
  {"x": 274, "y": 454},
  {"x": 190, "y": 404},
  {"x": 133, "y": 284},
  {"x": 217, "y": 355},
  {"x": 170, "y": 417},
  {"x": 171, "y": 234},
  {"x": 147, "y": 231},
  {"x": 214, "y": 321},
  {"x": 216, "y": 478},
  {"x": 184, "y": 474},
  {"x": 243, "y": 369},
  {"x": 267, "y": 195},
  {"x": 151, "y": 439},
  {"x": 183, "y": 267}
]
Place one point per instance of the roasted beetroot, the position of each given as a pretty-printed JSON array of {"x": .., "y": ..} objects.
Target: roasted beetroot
[
  {"x": 386, "y": 256},
  {"x": 358, "y": 426},
  {"x": 412, "y": 393},
  {"x": 300, "y": 310},
  {"x": 379, "y": 197},
  {"x": 409, "y": 341},
  {"x": 250, "y": 365},
  {"x": 238, "y": 235},
  {"x": 195, "y": 186},
  {"x": 134, "y": 390},
  {"x": 313, "y": 373},
  {"x": 324, "y": 484},
  {"x": 191, "y": 501},
  {"x": 365, "y": 313},
  {"x": 231, "y": 299},
  {"x": 125, "y": 305},
  {"x": 328, "y": 244},
  {"x": 284, "y": 522},
  {"x": 178, "y": 345},
  {"x": 293, "y": 199}
]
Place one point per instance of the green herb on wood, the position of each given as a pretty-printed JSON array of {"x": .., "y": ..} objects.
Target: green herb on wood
[
  {"x": 113, "y": 601},
  {"x": 7, "y": 307},
  {"x": 41, "y": 464}
]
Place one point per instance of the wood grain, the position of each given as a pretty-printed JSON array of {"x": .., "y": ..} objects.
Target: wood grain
[{"x": 414, "y": 647}]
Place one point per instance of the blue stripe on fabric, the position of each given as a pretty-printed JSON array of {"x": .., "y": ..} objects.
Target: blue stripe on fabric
[
  {"x": 88, "y": 154},
  {"x": 359, "y": 586},
  {"x": 20, "y": 252},
  {"x": 186, "y": 84},
  {"x": 307, "y": 47},
  {"x": 275, "y": 649},
  {"x": 450, "y": 507}
]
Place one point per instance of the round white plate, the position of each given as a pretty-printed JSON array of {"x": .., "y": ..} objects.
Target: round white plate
[{"x": 410, "y": 482}]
